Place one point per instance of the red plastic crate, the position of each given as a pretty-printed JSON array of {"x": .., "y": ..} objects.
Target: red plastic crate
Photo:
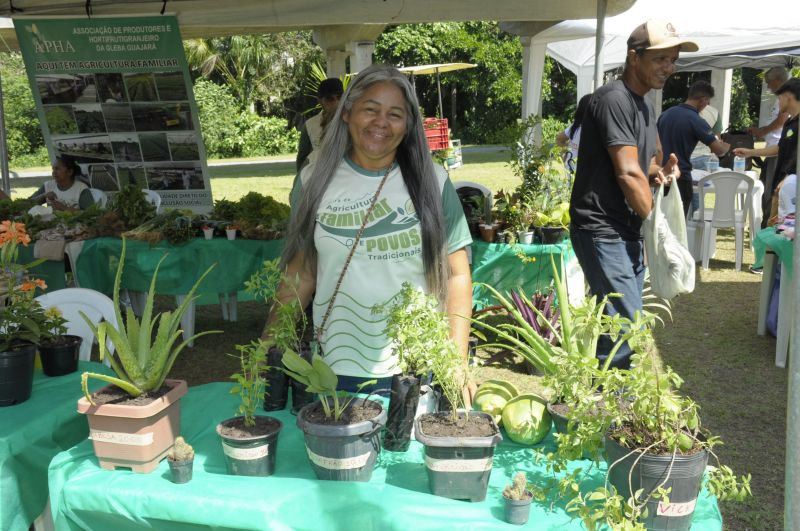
[{"x": 436, "y": 133}]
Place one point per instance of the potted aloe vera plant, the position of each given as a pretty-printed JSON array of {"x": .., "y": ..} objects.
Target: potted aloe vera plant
[
  {"x": 459, "y": 444},
  {"x": 411, "y": 325},
  {"x": 134, "y": 421},
  {"x": 342, "y": 431},
  {"x": 250, "y": 441}
]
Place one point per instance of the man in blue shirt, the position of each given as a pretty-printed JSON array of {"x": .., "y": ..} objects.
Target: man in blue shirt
[{"x": 680, "y": 128}]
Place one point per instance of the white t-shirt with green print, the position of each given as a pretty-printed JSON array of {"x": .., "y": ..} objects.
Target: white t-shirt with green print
[{"x": 389, "y": 253}]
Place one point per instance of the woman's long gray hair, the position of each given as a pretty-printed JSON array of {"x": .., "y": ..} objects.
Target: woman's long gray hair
[{"x": 418, "y": 174}]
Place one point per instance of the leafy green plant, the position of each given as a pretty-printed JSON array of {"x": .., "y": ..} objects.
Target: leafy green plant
[
  {"x": 265, "y": 284},
  {"x": 141, "y": 361},
  {"x": 320, "y": 379},
  {"x": 250, "y": 382},
  {"x": 54, "y": 325},
  {"x": 557, "y": 216},
  {"x": 131, "y": 206}
]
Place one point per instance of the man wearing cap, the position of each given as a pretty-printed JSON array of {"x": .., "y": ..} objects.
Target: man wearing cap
[
  {"x": 616, "y": 163},
  {"x": 786, "y": 148},
  {"x": 328, "y": 94},
  {"x": 680, "y": 128}
]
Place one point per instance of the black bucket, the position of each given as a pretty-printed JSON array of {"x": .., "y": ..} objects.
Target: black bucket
[
  {"x": 181, "y": 470},
  {"x": 552, "y": 235},
  {"x": 685, "y": 478},
  {"x": 402, "y": 409},
  {"x": 459, "y": 467},
  {"x": 345, "y": 452},
  {"x": 250, "y": 456},
  {"x": 58, "y": 360},
  {"x": 16, "y": 374},
  {"x": 276, "y": 393},
  {"x": 518, "y": 511}
]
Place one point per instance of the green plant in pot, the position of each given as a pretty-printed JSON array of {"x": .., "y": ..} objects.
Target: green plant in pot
[
  {"x": 412, "y": 326},
  {"x": 58, "y": 350},
  {"x": 553, "y": 222},
  {"x": 134, "y": 421},
  {"x": 459, "y": 444},
  {"x": 342, "y": 431},
  {"x": 21, "y": 317},
  {"x": 181, "y": 461},
  {"x": 518, "y": 497},
  {"x": 250, "y": 441},
  {"x": 656, "y": 449}
]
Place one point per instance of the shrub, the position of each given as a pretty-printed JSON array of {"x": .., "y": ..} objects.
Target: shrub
[
  {"x": 266, "y": 135},
  {"x": 24, "y": 135},
  {"x": 217, "y": 110}
]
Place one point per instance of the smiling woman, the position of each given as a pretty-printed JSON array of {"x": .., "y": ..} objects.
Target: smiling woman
[{"x": 372, "y": 212}]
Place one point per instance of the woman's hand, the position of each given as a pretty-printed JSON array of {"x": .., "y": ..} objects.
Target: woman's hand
[
  {"x": 743, "y": 152},
  {"x": 55, "y": 204}
]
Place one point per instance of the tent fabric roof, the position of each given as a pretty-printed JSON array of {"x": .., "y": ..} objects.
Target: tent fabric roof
[
  {"x": 432, "y": 69},
  {"x": 719, "y": 29}
]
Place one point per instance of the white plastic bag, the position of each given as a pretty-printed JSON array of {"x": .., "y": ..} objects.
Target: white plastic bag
[{"x": 670, "y": 263}]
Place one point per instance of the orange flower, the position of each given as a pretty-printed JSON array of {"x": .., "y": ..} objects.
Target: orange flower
[
  {"x": 30, "y": 285},
  {"x": 13, "y": 232}
]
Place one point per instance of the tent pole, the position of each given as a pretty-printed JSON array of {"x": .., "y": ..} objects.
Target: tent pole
[
  {"x": 599, "y": 39},
  {"x": 4, "y": 146},
  {"x": 791, "y": 502},
  {"x": 439, "y": 89}
]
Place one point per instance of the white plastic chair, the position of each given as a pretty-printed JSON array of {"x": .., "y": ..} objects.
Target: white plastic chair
[
  {"x": 153, "y": 198},
  {"x": 99, "y": 196},
  {"x": 469, "y": 184},
  {"x": 96, "y": 306},
  {"x": 725, "y": 213}
]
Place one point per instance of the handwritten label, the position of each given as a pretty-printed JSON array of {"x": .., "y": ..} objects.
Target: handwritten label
[
  {"x": 332, "y": 463},
  {"x": 676, "y": 509},
  {"x": 131, "y": 439},
  {"x": 246, "y": 454},
  {"x": 458, "y": 465}
]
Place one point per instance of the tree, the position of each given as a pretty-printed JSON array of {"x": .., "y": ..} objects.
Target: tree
[{"x": 24, "y": 134}]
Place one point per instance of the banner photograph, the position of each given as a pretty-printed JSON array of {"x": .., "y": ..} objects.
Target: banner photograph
[{"x": 115, "y": 94}]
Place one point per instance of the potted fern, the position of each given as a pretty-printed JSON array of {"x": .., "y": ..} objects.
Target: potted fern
[
  {"x": 134, "y": 421},
  {"x": 342, "y": 432},
  {"x": 459, "y": 444},
  {"x": 250, "y": 441}
]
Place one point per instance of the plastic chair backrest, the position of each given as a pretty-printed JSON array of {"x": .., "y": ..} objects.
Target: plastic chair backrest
[
  {"x": 72, "y": 301},
  {"x": 726, "y": 188},
  {"x": 99, "y": 196},
  {"x": 153, "y": 198},
  {"x": 487, "y": 193}
]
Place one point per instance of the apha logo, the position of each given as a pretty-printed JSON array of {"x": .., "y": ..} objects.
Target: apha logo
[{"x": 44, "y": 46}]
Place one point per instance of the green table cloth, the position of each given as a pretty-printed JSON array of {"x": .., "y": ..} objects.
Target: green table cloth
[
  {"x": 51, "y": 271},
  {"x": 83, "y": 496},
  {"x": 782, "y": 246},
  {"x": 236, "y": 261},
  {"x": 500, "y": 265},
  {"x": 33, "y": 432}
]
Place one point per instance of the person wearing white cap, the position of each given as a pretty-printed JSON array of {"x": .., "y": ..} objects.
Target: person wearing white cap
[{"x": 616, "y": 163}]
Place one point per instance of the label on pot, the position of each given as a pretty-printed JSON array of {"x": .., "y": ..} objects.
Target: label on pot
[
  {"x": 246, "y": 454},
  {"x": 113, "y": 437},
  {"x": 676, "y": 509},
  {"x": 458, "y": 465},
  {"x": 333, "y": 463}
]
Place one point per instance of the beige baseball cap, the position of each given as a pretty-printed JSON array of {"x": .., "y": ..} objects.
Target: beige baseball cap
[{"x": 658, "y": 35}]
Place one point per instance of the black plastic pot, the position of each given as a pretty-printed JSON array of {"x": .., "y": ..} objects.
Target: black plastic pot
[
  {"x": 181, "y": 470},
  {"x": 518, "y": 511},
  {"x": 276, "y": 393},
  {"x": 16, "y": 374},
  {"x": 559, "y": 421},
  {"x": 250, "y": 456},
  {"x": 552, "y": 235},
  {"x": 402, "y": 409},
  {"x": 459, "y": 467},
  {"x": 650, "y": 472},
  {"x": 58, "y": 360},
  {"x": 345, "y": 452},
  {"x": 300, "y": 397}
]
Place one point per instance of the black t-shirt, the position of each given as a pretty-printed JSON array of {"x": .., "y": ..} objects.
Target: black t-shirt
[
  {"x": 680, "y": 128},
  {"x": 787, "y": 152},
  {"x": 615, "y": 117}
]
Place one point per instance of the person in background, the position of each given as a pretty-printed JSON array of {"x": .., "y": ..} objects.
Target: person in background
[
  {"x": 702, "y": 153},
  {"x": 680, "y": 128},
  {"x": 616, "y": 163},
  {"x": 375, "y": 153},
  {"x": 786, "y": 149},
  {"x": 771, "y": 133},
  {"x": 311, "y": 132},
  {"x": 571, "y": 136},
  {"x": 66, "y": 191}
]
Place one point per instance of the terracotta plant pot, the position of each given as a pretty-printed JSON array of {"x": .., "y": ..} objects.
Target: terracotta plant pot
[
  {"x": 135, "y": 437},
  {"x": 487, "y": 232}
]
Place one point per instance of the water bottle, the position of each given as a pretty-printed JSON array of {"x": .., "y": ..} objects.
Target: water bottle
[
  {"x": 713, "y": 164},
  {"x": 738, "y": 164}
]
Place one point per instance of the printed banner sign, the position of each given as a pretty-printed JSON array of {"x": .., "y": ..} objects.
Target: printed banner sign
[{"x": 115, "y": 94}]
